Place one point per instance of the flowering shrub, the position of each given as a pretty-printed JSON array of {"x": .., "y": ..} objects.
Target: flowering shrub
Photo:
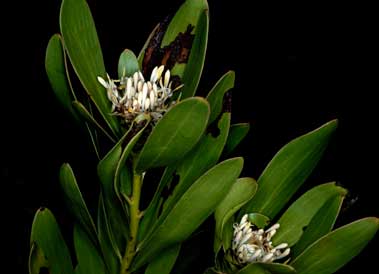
[{"x": 156, "y": 125}]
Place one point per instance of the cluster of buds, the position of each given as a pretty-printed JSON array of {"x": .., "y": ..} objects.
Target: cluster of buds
[
  {"x": 133, "y": 96},
  {"x": 255, "y": 245}
]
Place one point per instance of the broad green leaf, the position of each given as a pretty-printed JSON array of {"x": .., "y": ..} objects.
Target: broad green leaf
[
  {"x": 57, "y": 72},
  {"x": 237, "y": 133},
  {"x": 55, "y": 66},
  {"x": 109, "y": 249},
  {"x": 176, "y": 133},
  {"x": 288, "y": 170},
  {"x": 301, "y": 212},
  {"x": 204, "y": 155},
  {"x": 192, "y": 209},
  {"x": 87, "y": 116},
  {"x": 127, "y": 64},
  {"x": 83, "y": 48},
  {"x": 227, "y": 234},
  {"x": 46, "y": 236},
  {"x": 106, "y": 170},
  {"x": 321, "y": 224},
  {"x": 241, "y": 192},
  {"x": 75, "y": 201},
  {"x": 89, "y": 260},
  {"x": 192, "y": 13},
  {"x": 259, "y": 220},
  {"x": 335, "y": 249},
  {"x": 194, "y": 68},
  {"x": 164, "y": 263},
  {"x": 188, "y": 14},
  {"x": 267, "y": 268},
  {"x": 216, "y": 96}
]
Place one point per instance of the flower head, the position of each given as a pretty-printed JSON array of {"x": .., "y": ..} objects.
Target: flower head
[
  {"x": 133, "y": 96},
  {"x": 251, "y": 244}
]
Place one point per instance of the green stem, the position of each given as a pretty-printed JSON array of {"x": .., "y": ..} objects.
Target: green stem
[{"x": 135, "y": 216}]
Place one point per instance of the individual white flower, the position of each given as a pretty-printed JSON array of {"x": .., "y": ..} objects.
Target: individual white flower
[
  {"x": 134, "y": 95},
  {"x": 251, "y": 244}
]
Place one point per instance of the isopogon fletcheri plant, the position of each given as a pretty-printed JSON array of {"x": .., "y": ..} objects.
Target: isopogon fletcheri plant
[{"x": 146, "y": 123}]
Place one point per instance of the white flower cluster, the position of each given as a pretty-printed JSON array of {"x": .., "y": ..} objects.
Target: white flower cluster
[
  {"x": 255, "y": 245},
  {"x": 131, "y": 96}
]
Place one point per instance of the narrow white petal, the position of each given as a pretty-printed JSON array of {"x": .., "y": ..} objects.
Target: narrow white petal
[
  {"x": 141, "y": 76},
  {"x": 139, "y": 86},
  {"x": 159, "y": 72},
  {"x": 135, "y": 79},
  {"x": 144, "y": 95},
  {"x": 102, "y": 82},
  {"x": 244, "y": 219},
  {"x": 152, "y": 99},
  {"x": 281, "y": 246},
  {"x": 274, "y": 227},
  {"x": 155, "y": 89},
  {"x": 166, "y": 78},
  {"x": 153, "y": 76},
  {"x": 284, "y": 254},
  {"x": 139, "y": 98},
  {"x": 132, "y": 92},
  {"x": 129, "y": 88},
  {"x": 147, "y": 104},
  {"x": 149, "y": 85},
  {"x": 267, "y": 257}
]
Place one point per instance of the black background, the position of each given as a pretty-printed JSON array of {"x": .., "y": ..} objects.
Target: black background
[{"x": 296, "y": 68}]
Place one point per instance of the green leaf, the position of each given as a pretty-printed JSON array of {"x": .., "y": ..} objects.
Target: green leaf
[
  {"x": 193, "y": 69},
  {"x": 241, "y": 192},
  {"x": 288, "y": 170},
  {"x": 57, "y": 72},
  {"x": 165, "y": 262},
  {"x": 188, "y": 14},
  {"x": 109, "y": 249},
  {"x": 47, "y": 238},
  {"x": 127, "y": 64},
  {"x": 216, "y": 96},
  {"x": 175, "y": 134},
  {"x": 89, "y": 260},
  {"x": 83, "y": 48},
  {"x": 55, "y": 66},
  {"x": 267, "y": 268},
  {"x": 37, "y": 260},
  {"x": 301, "y": 212},
  {"x": 106, "y": 170},
  {"x": 335, "y": 249},
  {"x": 237, "y": 133},
  {"x": 75, "y": 201},
  {"x": 192, "y": 209},
  {"x": 259, "y": 220},
  {"x": 321, "y": 224},
  {"x": 227, "y": 234},
  {"x": 205, "y": 155},
  {"x": 87, "y": 116}
]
